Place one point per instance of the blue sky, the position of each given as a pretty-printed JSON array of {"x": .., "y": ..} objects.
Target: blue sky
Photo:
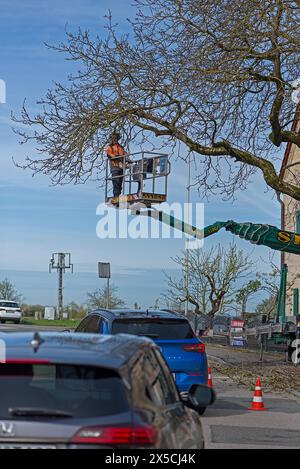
[{"x": 37, "y": 219}]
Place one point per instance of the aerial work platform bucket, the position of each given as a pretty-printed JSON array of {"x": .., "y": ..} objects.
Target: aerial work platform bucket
[{"x": 144, "y": 176}]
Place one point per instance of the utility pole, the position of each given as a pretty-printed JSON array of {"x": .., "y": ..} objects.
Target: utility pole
[
  {"x": 188, "y": 188},
  {"x": 60, "y": 261}
]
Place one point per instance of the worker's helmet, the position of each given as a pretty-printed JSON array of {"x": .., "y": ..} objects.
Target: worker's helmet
[{"x": 115, "y": 135}]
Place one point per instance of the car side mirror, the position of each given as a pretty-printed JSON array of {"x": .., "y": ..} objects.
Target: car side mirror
[{"x": 200, "y": 396}]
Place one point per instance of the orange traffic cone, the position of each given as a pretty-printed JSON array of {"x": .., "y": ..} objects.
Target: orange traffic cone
[
  {"x": 257, "y": 403},
  {"x": 209, "y": 379}
]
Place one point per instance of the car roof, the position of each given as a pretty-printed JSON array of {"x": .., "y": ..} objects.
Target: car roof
[
  {"x": 112, "y": 314},
  {"x": 109, "y": 351},
  {"x": 8, "y": 301}
]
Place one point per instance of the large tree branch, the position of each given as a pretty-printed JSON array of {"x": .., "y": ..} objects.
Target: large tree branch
[
  {"x": 207, "y": 74},
  {"x": 225, "y": 149}
]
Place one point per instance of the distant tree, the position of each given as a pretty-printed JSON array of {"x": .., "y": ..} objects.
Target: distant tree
[
  {"x": 156, "y": 304},
  {"x": 212, "y": 278},
  {"x": 98, "y": 298},
  {"x": 267, "y": 307},
  {"x": 9, "y": 292},
  {"x": 245, "y": 293},
  {"x": 271, "y": 282},
  {"x": 30, "y": 310},
  {"x": 76, "y": 311}
]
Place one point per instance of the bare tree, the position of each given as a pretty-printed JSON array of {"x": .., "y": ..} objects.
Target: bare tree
[
  {"x": 98, "y": 298},
  {"x": 213, "y": 74},
  {"x": 9, "y": 292},
  {"x": 267, "y": 307},
  {"x": 212, "y": 278},
  {"x": 270, "y": 282},
  {"x": 244, "y": 294}
]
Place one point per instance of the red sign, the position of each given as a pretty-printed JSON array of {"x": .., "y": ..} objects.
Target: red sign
[{"x": 237, "y": 323}]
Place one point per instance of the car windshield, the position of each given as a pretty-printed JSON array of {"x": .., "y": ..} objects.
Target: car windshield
[
  {"x": 81, "y": 391},
  {"x": 157, "y": 328},
  {"x": 8, "y": 304}
]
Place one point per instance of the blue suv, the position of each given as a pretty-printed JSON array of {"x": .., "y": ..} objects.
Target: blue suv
[{"x": 183, "y": 351}]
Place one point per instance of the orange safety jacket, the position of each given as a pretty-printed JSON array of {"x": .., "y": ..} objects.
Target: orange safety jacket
[{"x": 113, "y": 151}]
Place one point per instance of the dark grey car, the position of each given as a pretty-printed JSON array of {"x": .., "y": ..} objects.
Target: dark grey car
[{"x": 63, "y": 390}]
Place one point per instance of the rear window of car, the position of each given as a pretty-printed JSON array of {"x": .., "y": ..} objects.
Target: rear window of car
[
  {"x": 156, "y": 328},
  {"x": 8, "y": 304},
  {"x": 82, "y": 391}
]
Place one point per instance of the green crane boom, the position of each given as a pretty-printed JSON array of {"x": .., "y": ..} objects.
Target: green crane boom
[
  {"x": 266, "y": 235},
  {"x": 259, "y": 234}
]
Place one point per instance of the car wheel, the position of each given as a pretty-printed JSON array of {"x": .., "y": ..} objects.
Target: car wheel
[
  {"x": 17, "y": 322},
  {"x": 201, "y": 410},
  {"x": 2, "y": 321}
]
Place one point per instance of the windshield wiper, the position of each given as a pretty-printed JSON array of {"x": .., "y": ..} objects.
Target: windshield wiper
[{"x": 38, "y": 412}]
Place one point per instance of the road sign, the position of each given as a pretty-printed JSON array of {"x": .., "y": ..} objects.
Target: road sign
[
  {"x": 238, "y": 342},
  {"x": 237, "y": 323},
  {"x": 104, "y": 269}
]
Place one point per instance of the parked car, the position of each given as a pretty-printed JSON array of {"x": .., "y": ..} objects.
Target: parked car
[
  {"x": 10, "y": 311},
  {"x": 184, "y": 352},
  {"x": 63, "y": 390}
]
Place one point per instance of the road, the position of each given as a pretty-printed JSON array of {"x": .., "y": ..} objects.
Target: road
[
  {"x": 230, "y": 424},
  {"x": 10, "y": 327}
]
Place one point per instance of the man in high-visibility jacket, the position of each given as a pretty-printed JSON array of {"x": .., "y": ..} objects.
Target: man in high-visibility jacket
[{"x": 114, "y": 150}]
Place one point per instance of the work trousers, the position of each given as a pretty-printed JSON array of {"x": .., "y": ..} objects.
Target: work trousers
[{"x": 117, "y": 181}]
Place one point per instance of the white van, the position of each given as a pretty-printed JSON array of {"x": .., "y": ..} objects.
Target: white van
[{"x": 10, "y": 311}]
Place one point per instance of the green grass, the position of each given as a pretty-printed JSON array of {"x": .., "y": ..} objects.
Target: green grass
[{"x": 67, "y": 323}]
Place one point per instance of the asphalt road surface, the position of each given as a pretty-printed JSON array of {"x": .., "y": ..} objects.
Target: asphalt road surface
[
  {"x": 10, "y": 327},
  {"x": 230, "y": 424}
]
